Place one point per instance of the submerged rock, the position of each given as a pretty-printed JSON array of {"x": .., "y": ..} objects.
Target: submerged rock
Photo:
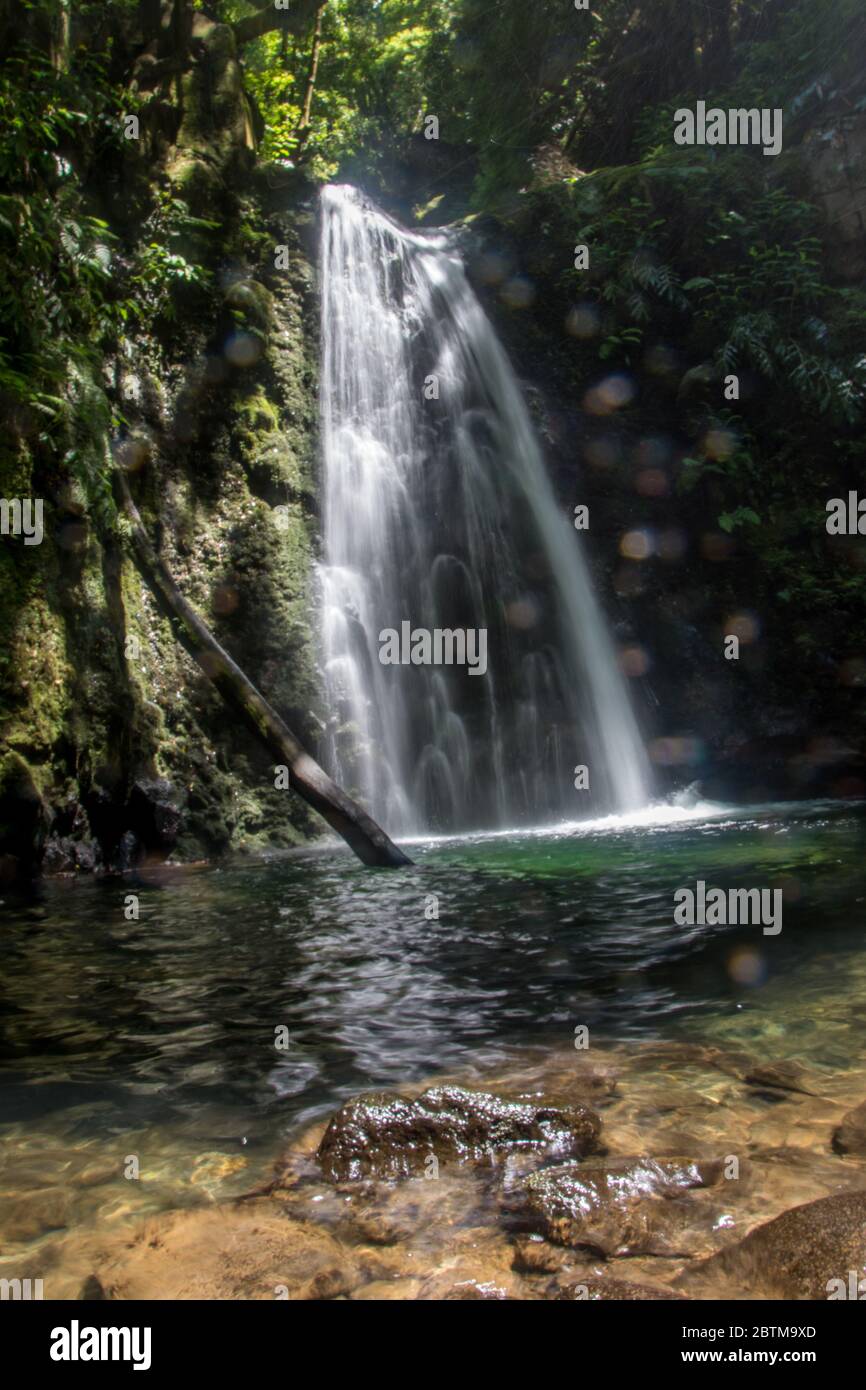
[
  {"x": 481, "y": 1272},
  {"x": 535, "y": 1255},
  {"x": 387, "y": 1136},
  {"x": 624, "y": 1207},
  {"x": 250, "y": 1252},
  {"x": 778, "y": 1076},
  {"x": 850, "y": 1136},
  {"x": 615, "y": 1290},
  {"x": 796, "y": 1256},
  {"x": 26, "y": 1216}
]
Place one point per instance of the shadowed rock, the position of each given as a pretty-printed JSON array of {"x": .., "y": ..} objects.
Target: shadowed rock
[
  {"x": 625, "y": 1207},
  {"x": 388, "y": 1136},
  {"x": 91, "y": 1290},
  {"x": 850, "y": 1136},
  {"x": 25, "y": 819}
]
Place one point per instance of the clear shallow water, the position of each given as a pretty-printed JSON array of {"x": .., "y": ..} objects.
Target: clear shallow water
[{"x": 158, "y": 1035}]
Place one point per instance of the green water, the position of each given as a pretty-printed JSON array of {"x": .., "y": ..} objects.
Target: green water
[{"x": 156, "y": 1037}]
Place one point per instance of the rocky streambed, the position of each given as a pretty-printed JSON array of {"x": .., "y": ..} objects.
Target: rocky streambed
[{"x": 639, "y": 1171}]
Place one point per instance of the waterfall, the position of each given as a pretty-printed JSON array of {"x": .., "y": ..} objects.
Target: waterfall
[{"x": 438, "y": 512}]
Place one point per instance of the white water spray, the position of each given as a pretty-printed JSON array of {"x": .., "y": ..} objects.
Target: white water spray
[{"x": 438, "y": 511}]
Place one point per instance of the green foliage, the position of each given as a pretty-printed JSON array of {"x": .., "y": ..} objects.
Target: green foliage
[
  {"x": 731, "y": 267},
  {"x": 516, "y": 72},
  {"x": 68, "y": 292},
  {"x": 56, "y": 260},
  {"x": 382, "y": 64},
  {"x": 741, "y": 516},
  {"x": 158, "y": 267},
  {"x": 58, "y": 304}
]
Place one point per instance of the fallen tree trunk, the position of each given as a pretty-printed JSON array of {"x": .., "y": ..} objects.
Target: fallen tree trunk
[{"x": 344, "y": 815}]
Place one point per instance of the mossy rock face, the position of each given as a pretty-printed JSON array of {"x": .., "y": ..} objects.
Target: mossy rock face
[
  {"x": 275, "y": 470},
  {"x": 270, "y": 453},
  {"x": 251, "y": 303},
  {"x": 123, "y": 747},
  {"x": 264, "y": 593},
  {"x": 216, "y": 118},
  {"x": 256, "y": 415},
  {"x": 198, "y": 182}
]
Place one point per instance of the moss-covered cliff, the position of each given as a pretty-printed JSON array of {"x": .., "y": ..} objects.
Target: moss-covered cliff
[{"x": 115, "y": 747}]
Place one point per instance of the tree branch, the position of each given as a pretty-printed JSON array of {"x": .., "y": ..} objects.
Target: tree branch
[
  {"x": 293, "y": 20},
  {"x": 303, "y": 130}
]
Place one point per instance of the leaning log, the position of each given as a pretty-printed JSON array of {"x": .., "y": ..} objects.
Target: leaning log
[{"x": 344, "y": 815}]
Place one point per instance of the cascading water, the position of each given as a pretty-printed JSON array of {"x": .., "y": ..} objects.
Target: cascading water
[{"x": 438, "y": 512}]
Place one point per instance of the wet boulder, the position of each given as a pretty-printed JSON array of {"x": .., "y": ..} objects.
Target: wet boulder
[
  {"x": 64, "y": 855},
  {"x": 806, "y": 1253},
  {"x": 387, "y": 1136},
  {"x": 70, "y": 830},
  {"x": 623, "y": 1207}
]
